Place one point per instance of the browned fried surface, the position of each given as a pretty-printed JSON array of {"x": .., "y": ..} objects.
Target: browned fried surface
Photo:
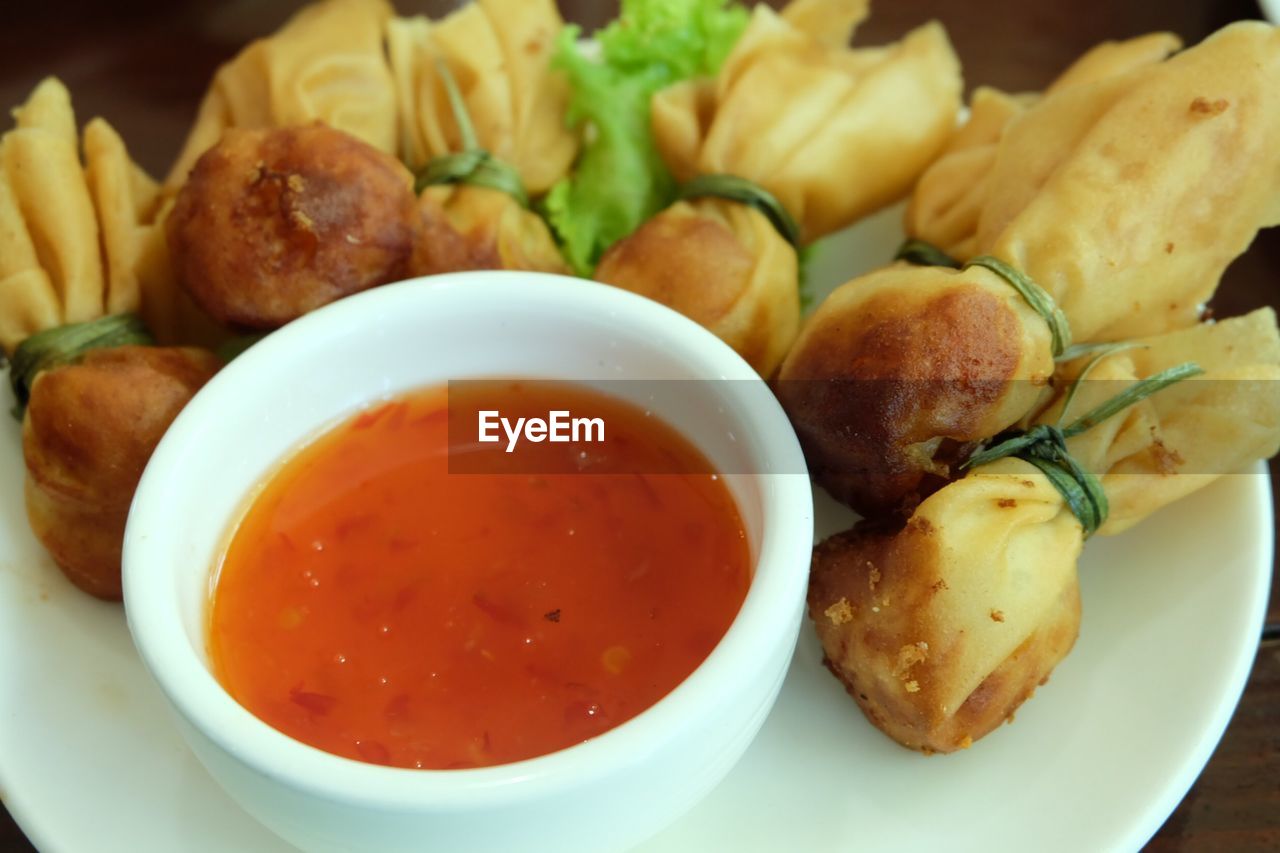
[
  {"x": 89, "y": 430},
  {"x": 885, "y": 397},
  {"x": 868, "y": 597},
  {"x": 274, "y": 223},
  {"x": 722, "y": 264},
  {"x": 691, "y": 263},
  {"x": 446, "y": 245},
  {"x": 478, "y": 228}
]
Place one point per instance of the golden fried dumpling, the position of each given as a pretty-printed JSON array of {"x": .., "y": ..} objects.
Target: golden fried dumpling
[
  {"x": 275, "y": 223},
  {"x": 88, "y": 433},
  {"x": 499, "y": 53},
  {"x": 1113, "y": 191},
  {"x": 941, "y": 630},
  {"x": 720, "y": 263},
  {"x": 465, "y": 227},
  {"x": 1187, "y": 435},
  {"x": 828, "y": 132},
  {"x": 832, "y": 132},
  {"x": 326, "y": 63},
  {"x": 1082, "y": 192},
  {"x": 74, "y": 239},
  {"x": 898, "y": 373}
]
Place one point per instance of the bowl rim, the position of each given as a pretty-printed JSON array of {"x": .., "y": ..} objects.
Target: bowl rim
[{"x": 769, "y": 614}]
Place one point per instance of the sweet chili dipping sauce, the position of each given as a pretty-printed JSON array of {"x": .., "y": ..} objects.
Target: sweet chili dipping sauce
[{"x": 377, "y": 606}]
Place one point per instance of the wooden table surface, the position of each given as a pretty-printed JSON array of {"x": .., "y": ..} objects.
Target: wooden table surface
[{"x": 143, "y": 65}]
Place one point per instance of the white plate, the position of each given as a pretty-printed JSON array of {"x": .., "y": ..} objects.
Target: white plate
[{"x": 90, "y": 761}]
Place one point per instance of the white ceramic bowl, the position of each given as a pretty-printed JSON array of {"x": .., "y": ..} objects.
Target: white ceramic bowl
[{"x": 610, "y": 792}]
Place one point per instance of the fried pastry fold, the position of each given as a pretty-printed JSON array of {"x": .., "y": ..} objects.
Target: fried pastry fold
[
  {"x": 832, "y": 132},
  {"x": 80, "y": 232},
  {"x": 479, "y": 83},
  {"x": 1189, "y": 434},
  {"x": 327, "y": 63},
  {"x": 949, "y": 198},
  {"x": 499, "y": 54},
  {"x": 720, "y": 263},
  {"x": 942, "y": 627},
  {"x": 1129, "y": 187}
]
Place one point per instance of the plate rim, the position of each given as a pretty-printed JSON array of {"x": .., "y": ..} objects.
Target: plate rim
[{"x": 1162, "y": 807}]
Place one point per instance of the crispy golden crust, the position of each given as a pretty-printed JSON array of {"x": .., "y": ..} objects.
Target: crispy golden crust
[
  {"x": 1113, "y": 190},
  {"x": 888, "y": 663},
  {"x": 892, "y": 380},
  {"x": 477, "y": 228},
  {"x": 723, "y": 265},
  {"x": 941, "y": 630},
  {"x": 833, "y": 133},
  {"x": 88, "y": 433},
  {"x": 274, "y": 223},
  {"x": 694, "y": 264}
]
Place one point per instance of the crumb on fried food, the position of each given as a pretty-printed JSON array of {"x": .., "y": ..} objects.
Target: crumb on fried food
[
  {"x": 840, "y": 612},
  {"x": 908, "y": 656}
]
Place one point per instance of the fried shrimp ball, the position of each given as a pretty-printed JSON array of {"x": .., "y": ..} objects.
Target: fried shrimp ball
[
  {"x": 274, "y": 223},
  {"x": 88, "y": 433}
]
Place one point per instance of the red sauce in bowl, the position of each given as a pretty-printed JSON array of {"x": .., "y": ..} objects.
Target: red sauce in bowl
[{"x": 376, "y": 606}]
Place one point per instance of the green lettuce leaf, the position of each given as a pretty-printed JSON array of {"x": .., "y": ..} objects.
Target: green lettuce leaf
[{"x": 620, "y": 180}]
